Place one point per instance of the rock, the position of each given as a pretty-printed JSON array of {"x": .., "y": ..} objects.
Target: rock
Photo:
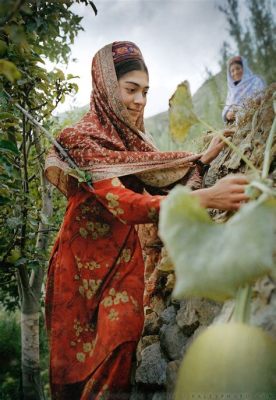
[
  {"x": 152, "y": 323},
  {"x": 152, "y": 369},
  {"x": 144, "y": 342},
  {"x": 171, "y": 374},
  {"x": 172, "y": 341},
  {"x": 168, "y": 315},
  {"x": 187, "y": 319},
  {"x": 159, "y": 396},
  {"x": 195, "y": 312}
]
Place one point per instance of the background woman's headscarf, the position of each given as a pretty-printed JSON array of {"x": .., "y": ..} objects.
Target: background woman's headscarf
[
  {"x": 105, "y": 142},
  {"x": 249, "y": 86}
]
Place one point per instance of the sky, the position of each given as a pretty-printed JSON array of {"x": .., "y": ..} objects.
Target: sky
[{"x": 179, "y": 40}]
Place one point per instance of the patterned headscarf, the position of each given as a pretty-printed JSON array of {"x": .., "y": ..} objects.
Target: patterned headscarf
[
  {"x": 105, "y": 142},
  {"x": 249, "y": 86}
]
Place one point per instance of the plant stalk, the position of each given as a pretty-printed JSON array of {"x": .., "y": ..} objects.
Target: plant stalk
[{"x": 242, "y": 305}]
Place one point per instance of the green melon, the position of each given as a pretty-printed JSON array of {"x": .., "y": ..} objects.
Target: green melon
[{"x": 229, "y": 361}]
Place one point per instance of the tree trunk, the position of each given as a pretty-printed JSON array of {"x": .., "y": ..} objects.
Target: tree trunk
[{"x": 30, "y": 292}]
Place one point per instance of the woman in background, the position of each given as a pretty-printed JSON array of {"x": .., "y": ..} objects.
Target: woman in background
[
  {"x": 94, "y": 297},
  {"x": 242, "y": 84}
]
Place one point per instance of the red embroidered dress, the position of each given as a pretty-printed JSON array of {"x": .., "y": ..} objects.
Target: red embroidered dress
[{"x": 94, "y": 298}]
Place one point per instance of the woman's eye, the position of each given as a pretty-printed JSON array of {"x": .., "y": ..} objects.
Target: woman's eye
[{"x": 130, "y": 90}]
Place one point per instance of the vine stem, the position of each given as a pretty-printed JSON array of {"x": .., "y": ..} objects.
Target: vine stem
[
  {"x": 269, "y": 143},
  {"x": 231, "y": 145},
  {"x": 242, "y": 305}
]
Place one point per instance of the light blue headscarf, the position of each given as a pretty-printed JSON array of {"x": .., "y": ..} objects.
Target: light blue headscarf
[{"x": 249, "y": 86}]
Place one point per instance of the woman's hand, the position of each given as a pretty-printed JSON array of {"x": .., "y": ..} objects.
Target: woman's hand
[
  {"x": 226, "y": 194},
  {"x": 230, "y": 116},
  {"x": 215, "y": 147}
]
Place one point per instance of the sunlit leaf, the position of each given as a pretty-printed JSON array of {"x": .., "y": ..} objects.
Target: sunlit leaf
[
  {"x": 181, "y": 113},
  {"x": 212, "y": 260},
  {"x": 9, "y": 70}
]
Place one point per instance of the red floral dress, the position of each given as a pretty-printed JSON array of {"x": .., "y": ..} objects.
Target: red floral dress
[{"x": 94, "y": 298}]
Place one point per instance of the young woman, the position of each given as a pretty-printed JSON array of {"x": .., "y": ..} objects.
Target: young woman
[
  {"x": 242, "y": 84},
  {"x": 94, "y": 299}
]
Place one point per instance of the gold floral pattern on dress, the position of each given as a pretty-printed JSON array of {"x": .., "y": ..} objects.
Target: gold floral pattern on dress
[
  {"x": 115, "y": 298},
  {"x": 89, "y": 287},
  {"x": 95, "y": 230},
  {"x": 91, "y": 265},
  {"x": 83, "y": 232},
  {"x": 125, "y": 256},
  {"x": 80, "y": 328},
  {"x": 80, "y": 357},
  {"x": 113, "y": 315},
  {"x": 116, "y": 182},
  {"x": 87, "y": 351},
  {"x": 113, "y": 204}
]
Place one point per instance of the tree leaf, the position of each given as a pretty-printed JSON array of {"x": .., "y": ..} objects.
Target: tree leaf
[
  {"x": 181, "y": 113},
  {"x": 4, "y": 200},
  {"x": 6, "y": 145},
  {"x": 6, "y": 115},
  {"x": 212, "y": 260},
  {"x": 9, "y": 70}
]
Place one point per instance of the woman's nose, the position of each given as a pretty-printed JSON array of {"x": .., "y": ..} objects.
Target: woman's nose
[{"x": 139, "y": 98}]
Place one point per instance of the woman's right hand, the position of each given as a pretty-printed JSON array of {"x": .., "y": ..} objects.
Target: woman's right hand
[{"x": 227, "y": 194}]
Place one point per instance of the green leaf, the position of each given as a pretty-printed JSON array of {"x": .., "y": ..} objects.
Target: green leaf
[
  {"x": 4, "y": 200},
  {"x": 6, "y": 115},
  {"x": 80, "y": 175},
  {"x": 213, "y": 260},
  {"x": 6, "y": 145},
  {"x": 9, "y": 70},
  {"x": 181, "y": 113}
]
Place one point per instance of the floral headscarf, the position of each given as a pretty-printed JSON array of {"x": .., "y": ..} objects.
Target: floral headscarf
[{"x": 105, "y": 142}]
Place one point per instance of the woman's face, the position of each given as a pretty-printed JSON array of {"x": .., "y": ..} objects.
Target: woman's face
[
  {"x": 134, "y": 87},
  {"x": 236, "y": 72}
]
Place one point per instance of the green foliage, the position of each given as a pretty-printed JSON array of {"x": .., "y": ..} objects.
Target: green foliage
[
  {"x": 213, "y": 260},
  {"x": 9, "y": 356}
]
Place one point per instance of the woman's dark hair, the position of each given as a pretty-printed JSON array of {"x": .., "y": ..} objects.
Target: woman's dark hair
[
  {"x": 239, "y": 62},
  {"x": 126, "y": 66}
]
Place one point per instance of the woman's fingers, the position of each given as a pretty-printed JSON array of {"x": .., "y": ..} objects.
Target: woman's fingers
[
  {"x": 229, "y": 132},
  {"x": 239, "y": 197}
]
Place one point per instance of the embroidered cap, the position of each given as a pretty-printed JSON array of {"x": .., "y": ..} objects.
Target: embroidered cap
[{"x": 122, "y": 51}]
